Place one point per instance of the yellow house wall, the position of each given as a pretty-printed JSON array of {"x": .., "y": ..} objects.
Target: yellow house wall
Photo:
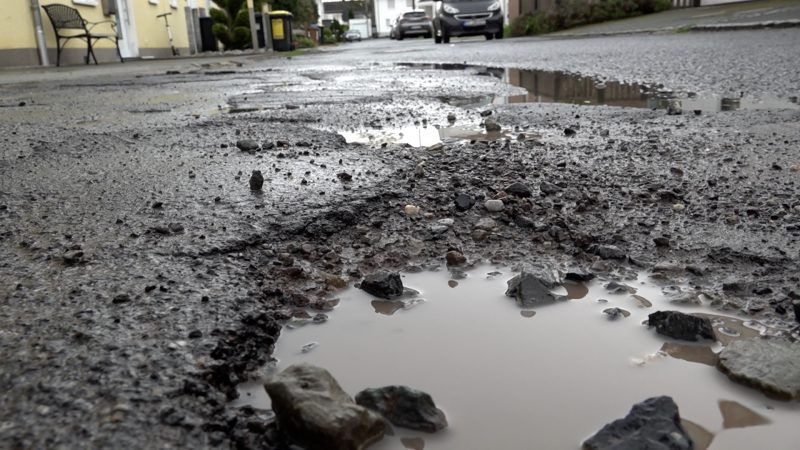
[
  {"x": 151, "y": 32},
  {"x": 16, "y": 23}
]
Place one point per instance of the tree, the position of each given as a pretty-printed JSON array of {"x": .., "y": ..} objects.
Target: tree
[{"x": 232, "y": 24}]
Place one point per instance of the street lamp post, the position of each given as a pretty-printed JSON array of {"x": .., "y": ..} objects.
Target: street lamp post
[{"x": 253, "y": 32}]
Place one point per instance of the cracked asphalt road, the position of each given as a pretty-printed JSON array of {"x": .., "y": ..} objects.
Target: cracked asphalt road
[{"x": 142, "y": 279}]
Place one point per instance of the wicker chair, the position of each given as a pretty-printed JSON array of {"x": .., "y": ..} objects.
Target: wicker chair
[{"x": 66, "y": 18}]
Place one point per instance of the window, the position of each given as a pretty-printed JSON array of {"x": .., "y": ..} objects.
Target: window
[
  {"x": 173, "y": 3},
  {"x": 85, "y": 2}
]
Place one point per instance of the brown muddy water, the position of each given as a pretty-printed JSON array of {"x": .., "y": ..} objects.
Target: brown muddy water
[{"x": 547, "y": 378}]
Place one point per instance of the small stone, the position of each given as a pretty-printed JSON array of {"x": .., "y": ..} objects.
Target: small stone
[
  {"x": 404, "y": 407},
  {"x": 455, "y": 258},
  {"x": 256, "y": 181},
  {"x": 313, "y": 409},
  {"x": 492, "y": 126},
  {"x": 494, "y": 205},
  {"x": 463, "y": 202},
  {"x": 121, "y": 298},
  {"x": 411, "y": 210},
  {"x": 529, "y": 290},
  {"x": 661, "y": 242},
  {"x": 653, "y": 424},
  {"x": 383, "y": 284},
  {"x": 770, "y": 365},
  {"x": 569, "y": 132},
  {"x": 607, "y": 251},
  {"x": 486, "y": 223},
  {"x": 247, "y": 145},
  {"x": 175, "y": 227},
  {"x": 158, "y": 205},
  {"x": 195, "y": 334},
  {"x": 678, "y": 325},
  {"x": 616, "y": 313},
  {"x": 518, "y": 190},
  {"x": 486, "y": 113},
  {"x": 344, "y": 176},
  {"x": 451, "y": 117},
  {"x": 548, "y": 188}
]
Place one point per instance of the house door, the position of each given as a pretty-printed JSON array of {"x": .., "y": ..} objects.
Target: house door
[{"x": 128, "y": 44}]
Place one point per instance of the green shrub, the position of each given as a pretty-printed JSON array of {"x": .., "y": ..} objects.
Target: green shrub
[
  {"x": 304, "y": 42},
  {"x": 328, "y": 37},
  {"x": 573, "y": 13}
]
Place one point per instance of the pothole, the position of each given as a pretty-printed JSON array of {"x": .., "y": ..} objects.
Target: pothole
[
  {"x": 563, "y": 87},
  {"x": 548, "y": 378}
]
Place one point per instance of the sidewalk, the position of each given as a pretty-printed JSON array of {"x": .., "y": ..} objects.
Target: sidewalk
[
  {"x": 207, "y": 62},
  {"x": 747, "y": 15}
]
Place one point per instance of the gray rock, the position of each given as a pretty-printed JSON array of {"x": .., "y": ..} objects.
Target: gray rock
[
  {"x": 491, "y": 125},
  {"x": 404, "y": 407},
  {"x": 653, "y": 424},
  {"x": 518, "y": 190},
  {"x": 455, "y": 258},
  {"x": 386, "y": 285},
  {"x": 682, "y": 326},
  {"x": 486, "y": 223},
  {"x": 607, "y": 251},
  {"x": 616, "y": 313},
  {"x": 529, "y": 290},
  {"x": 548, "y": 188},
  {"x": 769, "y": 365},
  {"x": 317, "y": 414},
  {"x": 494, "y": 205},
  {"x": 256, "y": 181},
  {"x": 247, "y": 145},
  {"x": 463, "y": 202}
]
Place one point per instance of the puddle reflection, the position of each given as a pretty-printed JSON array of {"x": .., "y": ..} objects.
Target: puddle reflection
[
  {"x": 563, "y": 87},
  {"x": 501, "y": 376}
]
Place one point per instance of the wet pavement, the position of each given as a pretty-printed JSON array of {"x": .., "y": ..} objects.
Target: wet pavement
[{"x": 143, "y": 279}]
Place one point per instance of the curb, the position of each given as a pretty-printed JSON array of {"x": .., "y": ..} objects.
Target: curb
[{"x": 708, "y": 27}]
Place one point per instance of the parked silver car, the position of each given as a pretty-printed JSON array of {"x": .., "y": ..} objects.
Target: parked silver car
[
  {"x": 414, "y": 23},
  {"x": 352, "y": 35}
]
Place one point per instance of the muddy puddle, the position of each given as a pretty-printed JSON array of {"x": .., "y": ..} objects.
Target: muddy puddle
[
  {"x": 562, "y": 87},
  {"x": 543, "y": 378}
]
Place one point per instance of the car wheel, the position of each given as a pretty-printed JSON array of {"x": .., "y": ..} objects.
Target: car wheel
[
  {"x": 498, "y": 35},
  {"x": 400, "y": 36},
  {"x": 445, "y": 36},
  {"x": 489, "y": 36}
]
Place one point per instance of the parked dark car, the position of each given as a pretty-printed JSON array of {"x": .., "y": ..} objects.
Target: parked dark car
[
  {"x": 413, "y": 23},
  {"x": 467, "y": 18}
]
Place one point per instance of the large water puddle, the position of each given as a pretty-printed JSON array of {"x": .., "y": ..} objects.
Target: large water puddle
[
  {"x": 563, "y": 87},
  {"x": 520, "y": 379},
  {"x": 423, "y": 135}
]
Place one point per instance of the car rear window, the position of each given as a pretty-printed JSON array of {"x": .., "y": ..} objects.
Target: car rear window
[{"x": 414, "y": 14}]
